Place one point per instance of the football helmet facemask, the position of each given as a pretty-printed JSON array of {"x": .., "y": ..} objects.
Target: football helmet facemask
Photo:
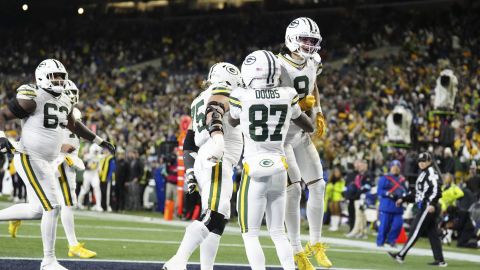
[
  {"x": 51, "y": 75},
  {"x": 71, "y": 90},
  {"x": 303, "y": 37}
]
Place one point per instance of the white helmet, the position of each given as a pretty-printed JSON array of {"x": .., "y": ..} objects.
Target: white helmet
[
  {"x": 261, "y": 69},
  {"x": 303, "y": 37},
  {"x": 71, "y": 90},
  {"x": 46, "y": 75},
  {"x": 225, "y": 73}
]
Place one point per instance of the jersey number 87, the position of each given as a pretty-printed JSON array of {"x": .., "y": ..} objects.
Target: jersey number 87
[{"x": 265, "y": 113}]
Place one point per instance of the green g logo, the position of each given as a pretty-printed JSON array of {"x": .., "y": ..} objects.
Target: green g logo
[{"x": 266, "y": 163}]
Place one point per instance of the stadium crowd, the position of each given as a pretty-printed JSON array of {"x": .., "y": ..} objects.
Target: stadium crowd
[{"x": 139, "y": 106}]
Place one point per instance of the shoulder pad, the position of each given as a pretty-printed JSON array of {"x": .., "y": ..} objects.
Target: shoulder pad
[
  {"x": 317, "y": 61},
  {"x": 27, "y": 91}
]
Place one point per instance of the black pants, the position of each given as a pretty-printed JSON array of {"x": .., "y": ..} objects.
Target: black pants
[
  {"x": 120, "y": 195},
  {"x": 425, "y": 222},
  {"x": 105, "y": 188},
  {"x": 351, "y": 213}
]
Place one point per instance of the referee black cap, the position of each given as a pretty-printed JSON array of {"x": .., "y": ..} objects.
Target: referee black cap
[{"x": 424, "y": 157}]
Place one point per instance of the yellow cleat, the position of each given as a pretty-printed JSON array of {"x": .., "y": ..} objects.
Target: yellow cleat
[
  {"x": 81, "y": 252},
  {"x": 318, "y": 251},
  {"x": 13, "y": 227},
  {"x": 302, "y": 261}
]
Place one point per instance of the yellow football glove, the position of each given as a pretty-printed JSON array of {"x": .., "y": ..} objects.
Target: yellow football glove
[
  {"x": 307, "y": 103},
  {"x": 69, "y": 161},
  {"x": 321, "y": 125}
]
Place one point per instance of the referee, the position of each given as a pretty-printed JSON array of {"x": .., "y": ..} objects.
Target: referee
[{"x": 427, "y": 194}]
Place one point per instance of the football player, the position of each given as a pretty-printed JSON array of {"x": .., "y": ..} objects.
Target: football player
[
  {"x": 68, "y": 162},
  {"x": 211, "y": 169},
  {"x": 91, "y": 178},
  {"x": 263, "y": 110},
  {"x": 45, "y": 111},
  {"x": 301, "y": 64}
]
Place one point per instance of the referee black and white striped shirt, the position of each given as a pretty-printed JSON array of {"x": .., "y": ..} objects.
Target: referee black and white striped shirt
[{"x": 427, "y": 188}]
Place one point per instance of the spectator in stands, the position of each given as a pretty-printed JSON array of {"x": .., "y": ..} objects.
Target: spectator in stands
[
  {"x": 473, "y": 181},
  {"x": 133, "y": 186},
  {"x": 448, "y": 162},
  {"x": 391, "y": 187},
  {"x": 360, "y": 186},
  {"x": 333, "y": 197},
  {"x": 122, "y": 176},
  {"x": 460, "y": 221}
]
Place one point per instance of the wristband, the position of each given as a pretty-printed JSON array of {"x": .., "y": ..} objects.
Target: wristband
[{"x": 98, "y": 140}]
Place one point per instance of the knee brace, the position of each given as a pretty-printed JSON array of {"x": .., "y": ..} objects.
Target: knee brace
[{"x": 214, "y": 221}]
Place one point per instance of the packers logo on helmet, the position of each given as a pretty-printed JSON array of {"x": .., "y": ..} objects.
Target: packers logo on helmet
[
  {"x": 266, "y": 163},
  {"x": 232, "y": 70},
  {"x": 250, "y": 60},
  {"x": 293, "y": 24}
]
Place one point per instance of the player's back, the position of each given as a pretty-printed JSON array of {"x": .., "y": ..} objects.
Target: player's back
[
  {"x": 265, "y": 116},
  {"x": 43, "y": 130}
]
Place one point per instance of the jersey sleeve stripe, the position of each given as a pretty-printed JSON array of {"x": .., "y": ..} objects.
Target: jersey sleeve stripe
[
  {"x": 223, "y": 89},
  {"x": 27, "y": 93},
  {"x": 235, "y": 102},
  {"x": 295, "y": 100}
]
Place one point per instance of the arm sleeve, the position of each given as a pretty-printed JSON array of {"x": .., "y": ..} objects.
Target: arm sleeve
[
  {"x": 381, "y": 191},
  {"x": 434, "y": 187}
]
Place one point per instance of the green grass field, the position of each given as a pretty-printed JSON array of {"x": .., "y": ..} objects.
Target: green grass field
[{"x": 141, "y": 239}]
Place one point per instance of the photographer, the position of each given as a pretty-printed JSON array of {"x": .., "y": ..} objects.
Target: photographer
[
  {"x": 459, "y": 220},
  {"x": 390, "y": 187},
  {"x": 427, "y": 193}
]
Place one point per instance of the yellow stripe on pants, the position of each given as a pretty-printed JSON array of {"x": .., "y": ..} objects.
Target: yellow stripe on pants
[{"x": 34, "y": 182}]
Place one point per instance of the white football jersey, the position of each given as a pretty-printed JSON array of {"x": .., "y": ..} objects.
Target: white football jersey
[
  {"x": 43, "y": 131},
  {"x": 302, "y": 77},
  {"x": 232, "y": 136},
  {"x": 265, "y": 116}
]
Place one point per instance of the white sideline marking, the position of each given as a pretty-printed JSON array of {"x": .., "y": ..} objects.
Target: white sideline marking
[
  {"x": 173, "y": 242},
  {"x": 449, "y": 255},
  {"x": 122, "y": 228},
  {"x": 153, "y": 262}
]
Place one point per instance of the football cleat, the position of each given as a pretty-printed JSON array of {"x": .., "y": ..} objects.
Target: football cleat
[
  {"x": 439, "y": 264},
  {"x": 174, "y": 264},
  {"x": 81, "y": 252},
  {"x": 52, "y": 266},
  {"x": 318, "y": 251},
  {"x": 302, "y": 261},
  {"x": 13, "y": 227},
  {"x": 396, "y": 257}
]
